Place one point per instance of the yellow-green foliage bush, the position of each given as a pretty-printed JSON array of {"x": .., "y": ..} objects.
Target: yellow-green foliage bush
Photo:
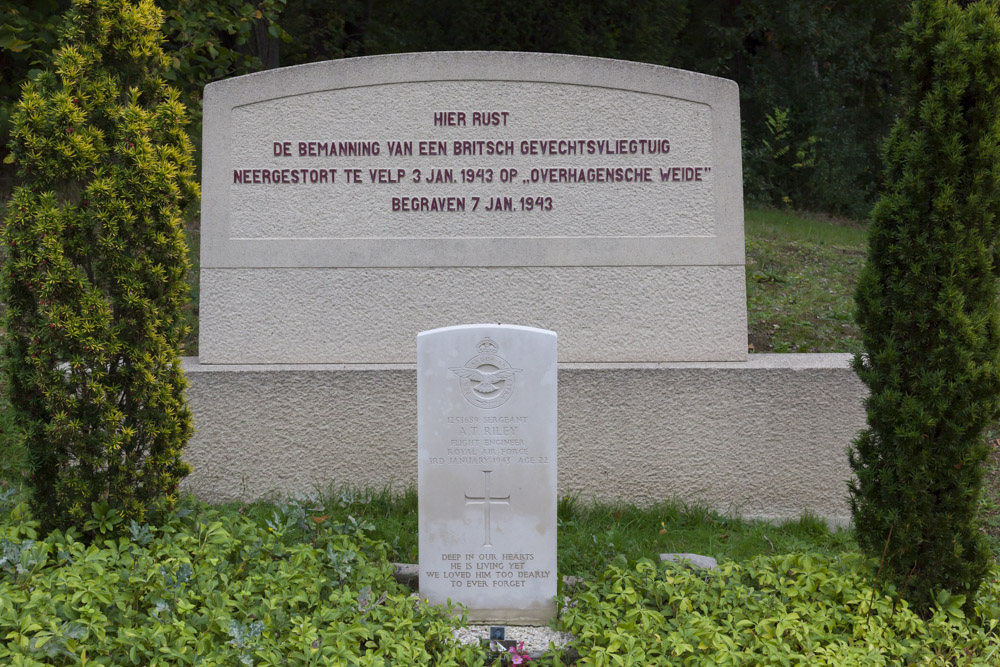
[{"x": 93, "y": 279}]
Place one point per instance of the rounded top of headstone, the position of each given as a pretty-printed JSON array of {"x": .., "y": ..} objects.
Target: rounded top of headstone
[{"x": 479, "y": 327}]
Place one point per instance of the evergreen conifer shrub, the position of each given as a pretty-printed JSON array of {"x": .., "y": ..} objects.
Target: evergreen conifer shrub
[
  {"x": 93, "y": 279},
  {"x": 927, "y": 308}
]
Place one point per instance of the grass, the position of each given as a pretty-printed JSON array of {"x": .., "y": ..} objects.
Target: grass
[
  {"x": 590, "y": 535},
  {"x": 594, "y": 534},
  {"x": 788, "y": 226},
  {"x": 11, "y": 455},
  {"x": 801, "y": 274},
  {"x": 989, "y": 510},
  {"x": 11, "y": 452}
]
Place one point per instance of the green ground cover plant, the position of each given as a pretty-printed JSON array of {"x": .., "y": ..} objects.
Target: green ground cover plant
[
  {"x": 782, "y": 609},
  {"x": 211, "y": 588},
  {"x": 304, "y": 582}
]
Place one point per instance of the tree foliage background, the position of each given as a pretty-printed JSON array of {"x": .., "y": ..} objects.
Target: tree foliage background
[{"x": 816, "y": 78}]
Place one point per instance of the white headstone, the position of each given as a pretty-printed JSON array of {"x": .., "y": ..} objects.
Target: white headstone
[{"x": 486, "y": 432}]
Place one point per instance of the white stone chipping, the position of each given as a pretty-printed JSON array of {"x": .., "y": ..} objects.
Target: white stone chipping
[{"x": 537, "y": 640}]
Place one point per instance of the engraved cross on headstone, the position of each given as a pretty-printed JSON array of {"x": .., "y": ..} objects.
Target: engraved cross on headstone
[{"x": 486, "y": 501}]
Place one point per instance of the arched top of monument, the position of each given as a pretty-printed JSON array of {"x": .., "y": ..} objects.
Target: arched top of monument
[{"x": 513, "y": 66}]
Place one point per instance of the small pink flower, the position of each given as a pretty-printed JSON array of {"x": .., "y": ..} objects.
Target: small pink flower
[{"x": 518, "y": 656}]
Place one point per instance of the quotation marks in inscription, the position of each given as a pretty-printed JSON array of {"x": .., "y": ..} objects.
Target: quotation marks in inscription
[{"x": 480, "y": 176}]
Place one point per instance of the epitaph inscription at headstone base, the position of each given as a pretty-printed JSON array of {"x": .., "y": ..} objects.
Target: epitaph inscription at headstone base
[{"x": 486, "y": 432}]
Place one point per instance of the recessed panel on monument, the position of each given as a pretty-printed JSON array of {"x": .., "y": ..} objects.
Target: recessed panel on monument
[
  {"x": 348, "y": 204},
  {"x": 486, "y": 433}
]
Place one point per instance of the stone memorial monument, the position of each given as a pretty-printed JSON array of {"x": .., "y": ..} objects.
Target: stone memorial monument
[
  {"x": 349, "y": 205},
  {"x": 595, "y": 198},
  {"x": 486, "y": 459}
]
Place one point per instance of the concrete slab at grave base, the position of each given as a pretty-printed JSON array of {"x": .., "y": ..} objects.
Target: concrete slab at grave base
[{"x": 765, "y": 438}]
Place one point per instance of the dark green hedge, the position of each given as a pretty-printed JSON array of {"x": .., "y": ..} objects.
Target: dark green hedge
[{"x": 927, "y": 309}]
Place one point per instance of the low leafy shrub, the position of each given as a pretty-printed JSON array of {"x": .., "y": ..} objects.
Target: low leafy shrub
[
  {"x": 213, "y": 588},
  {"x": 773, "y": 610},
  {"x": 305, "y": 584}
]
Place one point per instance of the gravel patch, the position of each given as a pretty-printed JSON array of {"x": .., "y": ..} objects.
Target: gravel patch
[{"x": 536, "y": 639}]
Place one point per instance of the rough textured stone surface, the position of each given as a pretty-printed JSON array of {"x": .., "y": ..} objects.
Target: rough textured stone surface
[
  {"x": 767, "y": 438},
  {"x": 768, "y": 442},
  {"x": 694, "y": 561},
  {"x": 602, "y": 314},
  {"x": 266, "y": 429},
  {"x": 407, "y": 574}
]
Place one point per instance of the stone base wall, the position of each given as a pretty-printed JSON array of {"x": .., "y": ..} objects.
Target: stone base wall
[{"x": 765, "y": 438}]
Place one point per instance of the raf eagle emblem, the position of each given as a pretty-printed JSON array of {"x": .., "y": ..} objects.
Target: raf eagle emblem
[{"x": 487, "y": 380}]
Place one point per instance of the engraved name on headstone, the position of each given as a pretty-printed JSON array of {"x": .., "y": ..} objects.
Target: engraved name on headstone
[{"x": 486, "y": 432}]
